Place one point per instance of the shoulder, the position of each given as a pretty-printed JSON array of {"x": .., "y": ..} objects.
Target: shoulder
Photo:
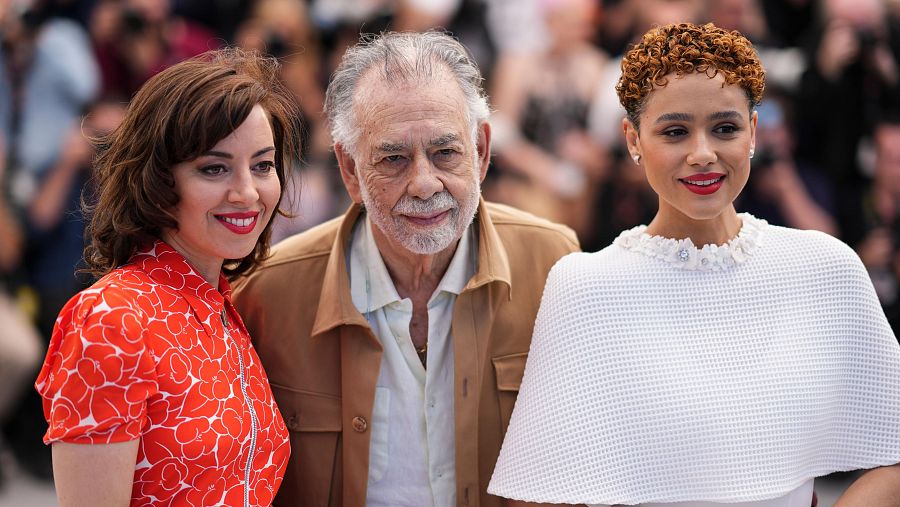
[
  {"x": 511, "y": 221},
  {"x": 297, "y": 261},
  {"x": 811, "y": 247},
  {"x": 310, "y": 244},
  {"x": 825, "y": 263},
  {"x": 64, "y": 35},
  {"x": 123, "y": 291},
  {"x": 579, "y": 269}
]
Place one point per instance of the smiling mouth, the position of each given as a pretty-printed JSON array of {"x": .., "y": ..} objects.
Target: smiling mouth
[
  {"x": 703, "y": 183},
  {"x": 428, "y": 219},
  {"x": 238, "y": 222}
]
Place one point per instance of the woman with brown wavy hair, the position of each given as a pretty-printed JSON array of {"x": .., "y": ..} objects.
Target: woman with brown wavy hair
[
  {"x": 707, "y": 358},
  {"x": 152, "y": 390}
]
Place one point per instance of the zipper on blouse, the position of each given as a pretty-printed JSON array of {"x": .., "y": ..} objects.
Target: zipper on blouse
[{"x": 253, "y": 422}]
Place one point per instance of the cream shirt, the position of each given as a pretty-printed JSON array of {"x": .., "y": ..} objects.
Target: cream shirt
[{"x": 412, "y": 448}]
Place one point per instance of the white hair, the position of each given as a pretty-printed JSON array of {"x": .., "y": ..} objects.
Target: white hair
[{"x": 401, "y": 57}]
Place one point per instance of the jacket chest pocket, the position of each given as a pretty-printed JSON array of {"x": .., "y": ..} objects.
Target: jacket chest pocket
[
  {"x": 313, "y": 420},
  {"x": 508, "y": 371}
]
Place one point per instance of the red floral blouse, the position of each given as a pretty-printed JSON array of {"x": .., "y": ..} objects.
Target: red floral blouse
[{"x": 154, "y": 352}]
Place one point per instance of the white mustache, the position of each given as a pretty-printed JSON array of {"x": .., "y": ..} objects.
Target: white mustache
[{"x": 415, "y": 206}]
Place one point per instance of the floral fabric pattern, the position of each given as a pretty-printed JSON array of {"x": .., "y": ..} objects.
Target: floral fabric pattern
[
  {"x": 154, "y": 352},
  {"x": 683, "y": 254}
]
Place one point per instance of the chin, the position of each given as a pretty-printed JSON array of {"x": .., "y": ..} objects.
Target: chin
[
  {"x": 708, "y": 212},
  {"x": 239, "y": 253}
]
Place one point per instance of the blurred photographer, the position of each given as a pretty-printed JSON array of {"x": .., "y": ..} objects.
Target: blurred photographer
[
  {"x": 782, "y": 190},
  {"x": 879, "y": 224},
  {"x": 47, "y": 76},
  {"x": 852, "y": 76},
  {"x": 20, "y": 347},
  {"x": 135, "y": 39}
]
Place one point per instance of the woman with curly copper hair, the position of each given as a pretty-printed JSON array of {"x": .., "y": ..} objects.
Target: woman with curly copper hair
[
  {"x": 152, "y": 390},
  {"x": 708, "y": 357}
]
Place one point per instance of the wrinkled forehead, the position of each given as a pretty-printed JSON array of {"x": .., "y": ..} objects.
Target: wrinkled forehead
[
  {"x": 391, "y": 80},
  {"x": 433, "y": 106}
]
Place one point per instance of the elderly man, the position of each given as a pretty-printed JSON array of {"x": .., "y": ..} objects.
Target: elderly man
[{"x": 395, "y": 336}]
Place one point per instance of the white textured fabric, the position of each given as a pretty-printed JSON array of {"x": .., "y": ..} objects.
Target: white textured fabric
[
  {"x": 800, "y": 497},
  {"x": 412, "y": 451},
  {"x": 649, "y": 381}
]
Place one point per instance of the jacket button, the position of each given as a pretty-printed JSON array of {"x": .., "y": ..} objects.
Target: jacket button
[
  {"x": 293, "y": 423},
  {"x": 359, "y": 424}
]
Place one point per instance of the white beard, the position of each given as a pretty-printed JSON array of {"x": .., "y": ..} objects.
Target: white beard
[{"x": 440, "y": 237}]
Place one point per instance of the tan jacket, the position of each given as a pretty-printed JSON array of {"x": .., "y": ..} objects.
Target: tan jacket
[{"x": 323, "y": 360}]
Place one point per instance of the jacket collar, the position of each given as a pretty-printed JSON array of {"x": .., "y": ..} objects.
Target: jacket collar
[{"x": 336, "y": 306}]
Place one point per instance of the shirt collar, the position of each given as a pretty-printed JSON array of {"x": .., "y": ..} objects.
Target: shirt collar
[
  {"x": 167, "y": 266},
  {"x": 336, "y": 306},
  {"x": 371, "y": 286}
]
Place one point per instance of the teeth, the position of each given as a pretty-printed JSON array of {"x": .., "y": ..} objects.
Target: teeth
[
  {"x": 240, "y": 222},
  {"x": 704, "y": 183}
]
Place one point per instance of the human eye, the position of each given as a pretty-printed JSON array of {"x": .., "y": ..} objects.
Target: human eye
[
  {"x": 264, "y": 167},
  {"x": 675, "y": 132},
  {"x": 445, "y": 154},
  {"x": 727, "y": 129},
  {"x": 393, "y": 161},
  {"x": 212, "y": 169}
]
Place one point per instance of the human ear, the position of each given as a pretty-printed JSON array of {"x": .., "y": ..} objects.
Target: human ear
[
  {"x": 483, "y": 145},
  {"x": 754, "y": 117},
  {"x": 632, "y": 140},
  {"x": 347, "y": 165}
]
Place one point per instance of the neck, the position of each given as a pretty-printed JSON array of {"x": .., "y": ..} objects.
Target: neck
[
  {"x": 413, "y": 274},
  {"x": 712, "y": 231},
  {"x": 208, "y": 269}
]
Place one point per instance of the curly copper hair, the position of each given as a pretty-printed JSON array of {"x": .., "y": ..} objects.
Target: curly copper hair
[{"x": 683, "y": 48}]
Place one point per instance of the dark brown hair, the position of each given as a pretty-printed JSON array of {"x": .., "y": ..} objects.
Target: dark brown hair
[
  {"x": 684, "y": 48},
  {"x": 176, "y": 116}
]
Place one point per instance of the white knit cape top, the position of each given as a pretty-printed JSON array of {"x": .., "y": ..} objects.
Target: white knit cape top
[{"x": 660, "y": 372}]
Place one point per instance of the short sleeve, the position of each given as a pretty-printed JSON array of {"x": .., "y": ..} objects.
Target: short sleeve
[{"x": 99, "y": 372}]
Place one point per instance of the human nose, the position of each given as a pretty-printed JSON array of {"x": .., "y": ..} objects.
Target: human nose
[
  {"x": 424, "y": 182},
  {"x": 243, "y": 187},
  {"x": 702, "y": 151}
]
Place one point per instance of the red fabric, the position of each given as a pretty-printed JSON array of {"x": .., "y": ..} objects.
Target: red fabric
[{"x": 143, "y": 354}]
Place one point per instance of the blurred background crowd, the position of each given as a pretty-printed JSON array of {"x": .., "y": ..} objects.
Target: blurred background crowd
[{"x": 827, "y": 154}]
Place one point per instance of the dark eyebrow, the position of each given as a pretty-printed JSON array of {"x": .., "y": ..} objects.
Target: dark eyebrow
[
  {"x": 719, "y": 115},
  {"x": 222, "y": 154},
  {"x": 725, "y": 115},
  {"x": 391, "y": 147},
  {"x": 444, "y": 140},
  {"x": 675, "y": 117}
]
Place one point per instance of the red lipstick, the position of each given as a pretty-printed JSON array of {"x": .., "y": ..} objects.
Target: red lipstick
[
  {"x": 703, "y": 183},
  {"x": 240, "y": 222}
]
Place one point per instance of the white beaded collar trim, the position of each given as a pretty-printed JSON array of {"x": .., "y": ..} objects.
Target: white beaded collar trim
[{"x": 683, "y": 254}]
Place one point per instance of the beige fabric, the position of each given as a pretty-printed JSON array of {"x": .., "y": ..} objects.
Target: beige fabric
[
  {"x": 323, "y": 360},
  {"x": 20, "y": 353}
]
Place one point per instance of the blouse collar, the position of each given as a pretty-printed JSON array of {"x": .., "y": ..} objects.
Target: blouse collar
[
  {"x": 165, "y": 265},
  {"x": 682, "y": 253}
]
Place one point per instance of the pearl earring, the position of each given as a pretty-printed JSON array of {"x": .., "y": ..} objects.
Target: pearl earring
[
  {"x": 637, "y": 159},
  {"x": 751, "y": 152}
]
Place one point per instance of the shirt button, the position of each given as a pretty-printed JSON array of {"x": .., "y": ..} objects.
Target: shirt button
[{"x": 359, "y": 424}]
